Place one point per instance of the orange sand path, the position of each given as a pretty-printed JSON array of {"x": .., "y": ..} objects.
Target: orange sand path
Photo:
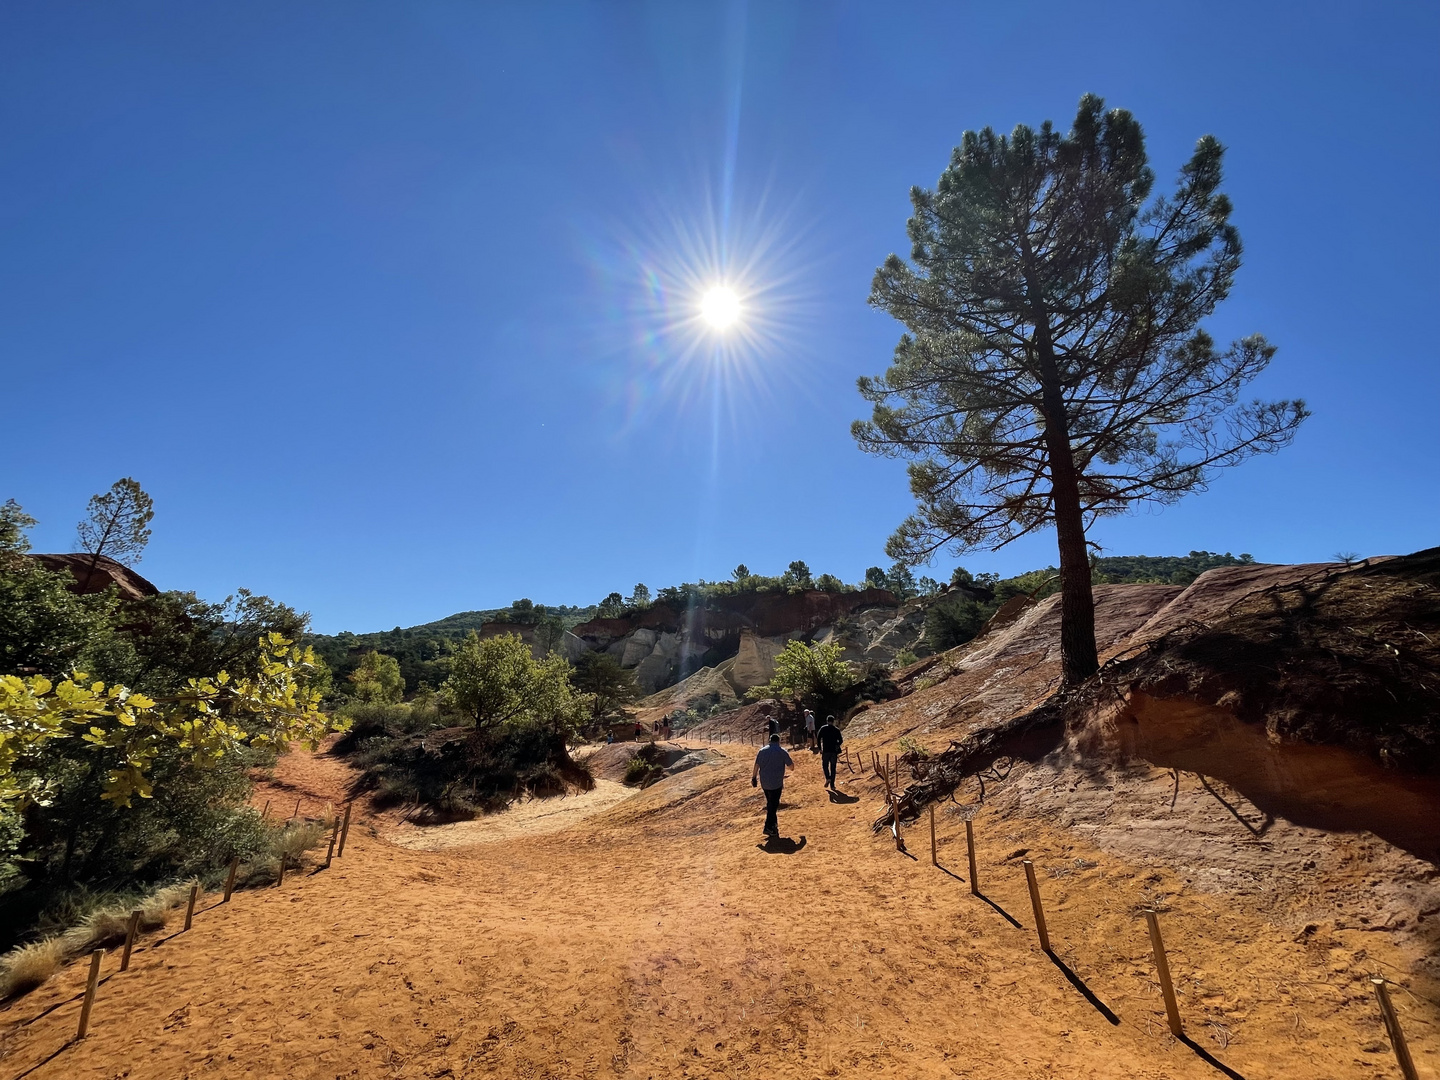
[{"x": 658, "y": 939}]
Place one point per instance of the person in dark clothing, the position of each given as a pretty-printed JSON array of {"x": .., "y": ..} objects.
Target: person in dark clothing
[
  {"x": 771, "y": 765},
  {"x": 772, "y": 722},
  {"x": 830, "y": 741}
]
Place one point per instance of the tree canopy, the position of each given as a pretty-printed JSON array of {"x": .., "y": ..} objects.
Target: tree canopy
[
  {"x": 116, "y": 524},
  {"x": 1054, "y": 370},
  {"x": 497, "y": 683},
  {"x": 377, "y": 679}
]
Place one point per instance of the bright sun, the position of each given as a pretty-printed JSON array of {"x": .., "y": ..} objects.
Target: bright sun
[{"x": 720, "y": 307}]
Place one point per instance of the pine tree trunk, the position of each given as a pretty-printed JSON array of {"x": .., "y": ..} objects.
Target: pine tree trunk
[
  {"x": 1079, "y": 658},
  {"x": 1078, "y": 655}
]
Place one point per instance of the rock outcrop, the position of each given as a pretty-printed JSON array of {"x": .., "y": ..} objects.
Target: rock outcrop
[
  {"x": 737, "y": 637},
  {"x": 93, "y": 575}
]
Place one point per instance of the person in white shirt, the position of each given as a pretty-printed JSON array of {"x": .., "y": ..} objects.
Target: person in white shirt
[{"x": 809, "y": 729}]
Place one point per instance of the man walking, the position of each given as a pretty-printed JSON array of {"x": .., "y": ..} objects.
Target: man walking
[
  {"x": 809, "y": 730},
  {"x": 771, "y": 765},
  {"x": 830, "y": 741},
  {"x": 772, "y": 722}
]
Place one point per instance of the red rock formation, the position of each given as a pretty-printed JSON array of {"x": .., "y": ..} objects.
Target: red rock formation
[
  {"x": 721, "y": 617},
  {"x": 106, "y": 572}
]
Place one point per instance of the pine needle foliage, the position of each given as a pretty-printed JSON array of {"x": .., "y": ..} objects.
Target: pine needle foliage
[{"x": 1054, "y": 370}]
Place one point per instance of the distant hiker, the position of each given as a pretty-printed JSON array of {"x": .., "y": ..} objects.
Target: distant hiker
[
  {"x": 771, "y": 765},
  {"x": 809, "y": 728},
  {"x": 609, "y": 737},
  {"x": 830, "y": 741},
  {"x": 639, "y": 730},
  {"x": 772, "y": 724}
]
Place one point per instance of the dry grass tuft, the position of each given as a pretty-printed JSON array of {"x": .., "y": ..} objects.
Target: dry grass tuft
[
  {"x": 29, "y": 966},
  {"x": 297, "y": 838}
]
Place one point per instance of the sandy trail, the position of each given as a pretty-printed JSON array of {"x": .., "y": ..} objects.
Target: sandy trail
[
  {"x": 532, "y": 817},
  {"x": 659, "y": 938}
]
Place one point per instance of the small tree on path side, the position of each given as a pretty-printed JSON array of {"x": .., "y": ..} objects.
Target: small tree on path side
[{"x": 1054, "y": 370}]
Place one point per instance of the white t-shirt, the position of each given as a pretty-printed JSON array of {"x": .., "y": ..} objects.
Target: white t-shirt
[{"x": 809, "y": 720}]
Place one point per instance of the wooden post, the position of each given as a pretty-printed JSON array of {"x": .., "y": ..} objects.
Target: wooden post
[
  {"x": 970, "y": 849},
  {"x": 230, "y": 878},
  {"x": 895, "y": 809},
  {"x": 334, "y": 835},
  {"x": 190, "y": 908},
  {"x": 281, "y": 881},
  {"x": 934, "y": 858},
  {"x": 265, "y": 814},
  {"x": 344, "y": 830},
  {"x": 1035, "y": 906},
  {"x": 296, "y": 814},
  {"x": 130, "y": 939},
  {"x": 1397, "y": 1037},
  {"x": 90, "y": 985},
  {"x": 1162, "y": 968}
]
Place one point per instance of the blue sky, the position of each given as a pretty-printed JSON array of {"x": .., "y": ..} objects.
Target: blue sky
[{"x": 379, "y": 301}]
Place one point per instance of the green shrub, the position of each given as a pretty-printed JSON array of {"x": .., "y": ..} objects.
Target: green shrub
[
  {"x": 817, "y": 674},
  {"x": 908, "y": 744},
  {"x": 636, "y": 770}
]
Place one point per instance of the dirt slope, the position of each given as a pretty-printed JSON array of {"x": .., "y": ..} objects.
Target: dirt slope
[
  {"x": 658, "y": 939},
  {"x": 656, "y": 936}
]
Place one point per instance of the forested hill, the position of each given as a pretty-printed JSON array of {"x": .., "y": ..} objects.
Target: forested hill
[
  {"x": 419, "y": 648},
  {"x": 423, "y": 650},
  {"x": 1161, "y": 569}
]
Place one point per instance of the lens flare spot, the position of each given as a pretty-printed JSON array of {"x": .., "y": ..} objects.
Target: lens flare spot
[{"x": 720, "y": 307}]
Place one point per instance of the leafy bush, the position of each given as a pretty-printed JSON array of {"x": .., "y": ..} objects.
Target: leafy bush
[
  {"x": 908, "y": 744},
  {"x": 816, "y": 674},
  {"x": 636, "y": 770},
  {"x": 952, "y": 622},
  {"x": 499, "y": 726},
  {"x": 903, "y": 659},
  {"x": 377, "y": 679},
  {"x": 133, "y": 773}
]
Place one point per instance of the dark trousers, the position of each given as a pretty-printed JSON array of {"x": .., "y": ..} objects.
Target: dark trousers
[
  {"x": 772, "y": 804},
  {"x": 828, "y": 762}
]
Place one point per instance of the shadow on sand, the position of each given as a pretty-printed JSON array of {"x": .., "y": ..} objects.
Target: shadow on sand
[
  {"x": 781, "y": 845},
  {"x": 1205, "y": 1056},
  {"x": 1085, "y": 991}
]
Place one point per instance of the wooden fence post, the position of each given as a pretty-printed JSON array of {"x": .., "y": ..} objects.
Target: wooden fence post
[
  {"x": 1162, "y": 968},
  {"x": 934, "y": 858},
  {"x": 265, "y": 814},
  {"x": 344, "y": 829},
  {"x": 970, "y": 850},
  {"x": 334, "y": 835},
  {"x": 130, "y": 939},
  {"x": 1397, "y": 1037},
  {"x": 1035, "y": 906},
  {"x": 296, "y": 814},
  {"x": 281, "y": 880},
  {"x": 190, "y": 908},
  {"x": 230, "y": 878},
  {"x": 90, "y": 984}
]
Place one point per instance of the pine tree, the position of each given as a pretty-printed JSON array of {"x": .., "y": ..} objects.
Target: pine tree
[
  {"x": 1054, "y": 370},
  {"x": 117, "y": 525}
]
